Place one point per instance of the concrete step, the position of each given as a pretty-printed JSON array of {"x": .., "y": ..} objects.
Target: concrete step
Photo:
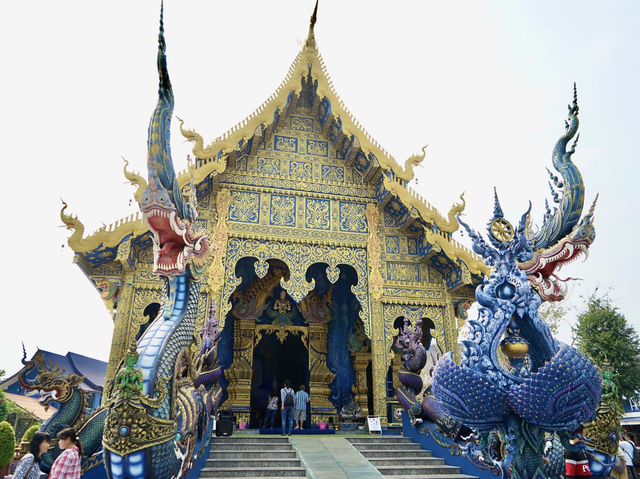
[
  {"x": 418, "y": 470},
  {"x": 435, "y": 476},
  {"x": 372, "y": 453},
  {"x": 255, "y": 453},
  {"x": 405, "y": 461},
  {"x": 380, "y": 439},
  {"x": 403, "y": 446},
  {"x": 254, "y": 472},
  {"x": 248, "y": 446},
  {"x": 250, "y": 440},
  {"x": 251, "y": 462}
]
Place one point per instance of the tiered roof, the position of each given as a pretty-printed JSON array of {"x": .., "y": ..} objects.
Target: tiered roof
[{"x": 307, "y": 75}]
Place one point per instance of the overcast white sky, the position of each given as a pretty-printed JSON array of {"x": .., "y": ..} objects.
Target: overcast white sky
[{"x": 485, "y": 84}]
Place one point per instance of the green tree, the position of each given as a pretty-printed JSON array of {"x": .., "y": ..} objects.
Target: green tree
[
  {"x": 4, "y": 406},
  {"x": 7, "y": 443},
  {"x": 28, "y": 435},
  {"x": 552, "y": 313},
  {"x": 603, "y": 335}
]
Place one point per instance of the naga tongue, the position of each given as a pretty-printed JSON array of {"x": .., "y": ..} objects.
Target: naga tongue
[{"x": 170, "y": 249}]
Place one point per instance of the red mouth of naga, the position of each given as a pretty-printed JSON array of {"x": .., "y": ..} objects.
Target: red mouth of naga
[{"x": 172, "y": 242}]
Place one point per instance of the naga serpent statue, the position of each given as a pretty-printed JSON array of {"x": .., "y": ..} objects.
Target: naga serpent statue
[
  {"x": 55, "y": 385},
  {"x": 514, "y": 380},
  {"x": 564, "y": 236},
  {"x": 415, "y": 358},
  {"x": 162, "y": 399}
]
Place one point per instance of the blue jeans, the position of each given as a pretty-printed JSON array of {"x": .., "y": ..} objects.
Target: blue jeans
[
  {"x": 269, "y": 418},
  {"x": 287, "y": 419}
]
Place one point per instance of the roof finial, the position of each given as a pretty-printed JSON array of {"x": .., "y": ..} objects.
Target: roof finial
[
  {"x": 311, "y": 40},
  {"x": 497, "y": 209}
]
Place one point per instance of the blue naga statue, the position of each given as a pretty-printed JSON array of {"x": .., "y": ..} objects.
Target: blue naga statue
[
  {"x": 55, "y": 385},
  {"x": 166, "y": 390},
  {"x": 514, "y": 381}
]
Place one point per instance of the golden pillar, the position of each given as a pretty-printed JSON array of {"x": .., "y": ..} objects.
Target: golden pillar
[
  {"x": 396, "y": 364},
  {"x": 319, "y": 374},
  {"x": 240, "y": 372},
  {"x": 360, "y": 362},
  {"x": 120, "y": 335},
  {"x": 378, "y": 363},
  {"x": 376, "y": 327},
  {"x": 451, "y": 328}
]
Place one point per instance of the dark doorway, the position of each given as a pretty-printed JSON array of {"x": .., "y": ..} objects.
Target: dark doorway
[{"x": 273, "y": 362}]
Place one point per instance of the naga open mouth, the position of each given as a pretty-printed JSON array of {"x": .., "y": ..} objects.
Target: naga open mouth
[{"x": 174, "y": 242}]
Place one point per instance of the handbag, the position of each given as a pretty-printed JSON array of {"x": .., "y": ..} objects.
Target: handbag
[{"x": 620, "y": 465}]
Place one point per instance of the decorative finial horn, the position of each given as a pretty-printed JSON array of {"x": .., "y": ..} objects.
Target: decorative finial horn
[
  {"x": 311, "y": 41},
  {"x": 497, "y": 209},
  {"x": 165, "y": 83},
  {"x": 314, "y": 16}
]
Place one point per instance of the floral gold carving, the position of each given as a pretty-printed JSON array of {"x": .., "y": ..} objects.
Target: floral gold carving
[{"x": 374, "y": 249}]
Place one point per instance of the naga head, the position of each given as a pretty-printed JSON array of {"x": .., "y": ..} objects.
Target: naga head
[
  {"x": 52, "y": 384},
  {"x": 171, "y": 218},
  {"x": 563, "y": 236},
  {"x": 543, "y": 268}
]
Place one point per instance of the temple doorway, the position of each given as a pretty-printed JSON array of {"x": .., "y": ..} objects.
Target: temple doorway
[{"x": 274, "y": 361}]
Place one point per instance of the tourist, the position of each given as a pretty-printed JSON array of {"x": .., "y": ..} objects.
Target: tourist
[
  {"x": 287, "y": 401},
  {"x": 300, "y": 414},
  {"x": 575, "y": 461},
  {"x": 628, "y": 447},
  {"x": 272, "y": 407},
  {"x": 67, "y": 465},
  {"x": 28, "y": 467}
]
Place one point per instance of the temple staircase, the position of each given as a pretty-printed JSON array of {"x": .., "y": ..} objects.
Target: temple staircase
[
  {"x": 250, "y": 456},
  {"x": 399, "y": 458}
]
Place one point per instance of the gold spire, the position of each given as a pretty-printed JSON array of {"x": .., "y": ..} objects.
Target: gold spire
[{"x": 311, "y": 39}]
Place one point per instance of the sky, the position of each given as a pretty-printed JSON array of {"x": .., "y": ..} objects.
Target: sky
[{"x": 484, "y": 84}]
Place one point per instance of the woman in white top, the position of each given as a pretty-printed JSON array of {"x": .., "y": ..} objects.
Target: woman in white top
[{"x": 28, "y": 467}]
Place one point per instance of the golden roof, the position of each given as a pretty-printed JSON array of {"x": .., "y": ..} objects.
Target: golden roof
[{"x": 212, "y": 159}]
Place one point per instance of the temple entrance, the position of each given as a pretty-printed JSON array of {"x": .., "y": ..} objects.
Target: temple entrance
[
  {"x": 319, "y": 341},
  {"x": 273, "y": 362}
]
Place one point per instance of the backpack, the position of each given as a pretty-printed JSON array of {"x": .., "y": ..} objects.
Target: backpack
[
  {"x": 636, "y": 457},
  {"x": 288, "y": 398}
]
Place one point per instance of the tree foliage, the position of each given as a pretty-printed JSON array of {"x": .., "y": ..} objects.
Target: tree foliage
[
  {"x": 552, "y": 313},
  {"x": 7, "y": 443},
  {"x": 29, "y": 433},
  {"x": 603, "y": 335},
  {"x": 4, "y": 406}
]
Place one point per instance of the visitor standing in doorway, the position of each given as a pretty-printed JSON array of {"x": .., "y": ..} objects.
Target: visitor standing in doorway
[
  {"x": 287, "y": 401},
  {"x": 300, "y": 414},
  {"x": 272, "y": 407}
]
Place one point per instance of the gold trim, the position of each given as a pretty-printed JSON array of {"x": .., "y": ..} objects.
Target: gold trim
[
  {"x": 136, "y": 180},
  {"x": 282, "y": 331}
]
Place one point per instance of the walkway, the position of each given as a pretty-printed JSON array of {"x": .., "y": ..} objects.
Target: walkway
[{"x": 334, "y": 457}]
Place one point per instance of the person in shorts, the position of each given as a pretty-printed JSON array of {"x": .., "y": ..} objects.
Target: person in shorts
[{"x": 300, "y": 414}]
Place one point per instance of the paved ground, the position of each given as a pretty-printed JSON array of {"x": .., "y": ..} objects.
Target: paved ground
[{"x": 332, "y": 457}]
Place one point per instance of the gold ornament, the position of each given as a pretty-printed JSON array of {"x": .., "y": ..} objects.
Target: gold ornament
[{"x": 502, "y": 230}]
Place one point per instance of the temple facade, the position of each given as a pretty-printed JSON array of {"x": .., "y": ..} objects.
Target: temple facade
[{"x": 319, "y": 246}]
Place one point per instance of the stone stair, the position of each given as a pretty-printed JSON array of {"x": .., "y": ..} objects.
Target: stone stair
[
  {"x": 250, "y": 456},
  {"x": 397, "y": 457}
]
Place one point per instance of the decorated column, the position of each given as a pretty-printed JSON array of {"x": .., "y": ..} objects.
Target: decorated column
[{"x": 376, "y": 329}]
